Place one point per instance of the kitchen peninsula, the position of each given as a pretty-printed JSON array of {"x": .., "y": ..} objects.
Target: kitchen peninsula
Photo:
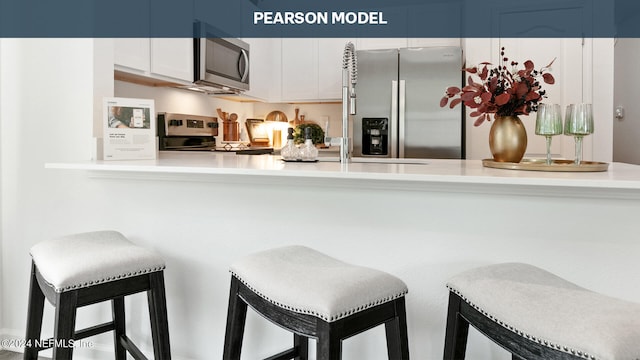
[
  {"x": 413, "y": 174},
  {"x": 420, "y": 222}
]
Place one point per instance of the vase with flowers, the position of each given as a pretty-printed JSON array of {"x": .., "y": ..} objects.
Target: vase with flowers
[{"x": 506, "y": 92}]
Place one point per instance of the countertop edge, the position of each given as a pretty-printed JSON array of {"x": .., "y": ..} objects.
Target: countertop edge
[{"x": 621, "y": 181}]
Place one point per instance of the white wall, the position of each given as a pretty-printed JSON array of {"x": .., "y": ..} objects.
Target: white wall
[
  {"x": 47, "y": 92},
  {"x": 3, "y": 73},
  {"x": 312, "y": 112}
]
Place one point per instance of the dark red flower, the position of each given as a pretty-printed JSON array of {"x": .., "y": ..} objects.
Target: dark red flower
[{"x": 500, "y": 91}]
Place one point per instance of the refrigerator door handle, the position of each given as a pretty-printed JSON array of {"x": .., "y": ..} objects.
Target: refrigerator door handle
[
  {"x": 401, "y": 117},
  {"x": 393, "y": 126}
]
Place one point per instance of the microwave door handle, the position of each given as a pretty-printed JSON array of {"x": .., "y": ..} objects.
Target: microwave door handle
[
  {"x": 203, "y": 61},
  {"x": 243, "y": 60}
]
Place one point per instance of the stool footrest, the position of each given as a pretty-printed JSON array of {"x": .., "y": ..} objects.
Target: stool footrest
[
  {"x": 132, "y": 348},
  {"x": 94, "y": 330},
  {"x": 285, "y": 355}
]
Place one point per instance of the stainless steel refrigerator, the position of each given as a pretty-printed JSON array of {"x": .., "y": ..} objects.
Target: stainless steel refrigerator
[{"x": 399, "y": 113}]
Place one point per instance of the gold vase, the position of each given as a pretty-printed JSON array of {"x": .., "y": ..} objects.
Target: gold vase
[{"x": 507, "y": 139}]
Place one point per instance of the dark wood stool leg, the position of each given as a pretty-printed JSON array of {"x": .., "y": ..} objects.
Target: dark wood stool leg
[
  {"x": 34, "y": 316},
  {"x": 302, "y": 344},
  {"x": 236, "y": 317},
  {"x": 329, "y": 343},
  {"x": 158, "y": 313},
  {"x": 455, "y": 343},
  {"x": 396, "y": 330},
  {"x": 65, "y": 323},
  {"x": 119, "y": 321}
]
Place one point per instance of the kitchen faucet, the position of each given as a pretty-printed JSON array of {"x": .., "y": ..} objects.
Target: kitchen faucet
[{"x": 349, "y": 71}]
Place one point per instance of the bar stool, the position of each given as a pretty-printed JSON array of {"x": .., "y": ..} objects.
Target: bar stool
[
  {"x": 539, "y": 316},
  {"x": 84, "y": 269},
  {"x": 314, "y": 295}
]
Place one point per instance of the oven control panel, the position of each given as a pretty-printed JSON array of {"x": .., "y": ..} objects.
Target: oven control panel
[{"x": 186, "y": 125}]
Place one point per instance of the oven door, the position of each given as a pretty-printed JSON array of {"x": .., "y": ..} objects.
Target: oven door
[{"x": 223, "y": 62}]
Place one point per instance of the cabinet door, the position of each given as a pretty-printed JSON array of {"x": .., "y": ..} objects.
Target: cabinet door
[
  {"x": 299, "y": 69},
  {"x": 380, "y": 43},
  {"x": 172, "y": 58},
  {"x": 429, "y": 42},
  {"x": 330, "y": 67},
  {"x": 132, "y": 53},
  {"x": 261, "y": 67}
]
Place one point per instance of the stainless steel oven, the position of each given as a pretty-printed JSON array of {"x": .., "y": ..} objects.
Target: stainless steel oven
[{"x": 187, "y": 132}]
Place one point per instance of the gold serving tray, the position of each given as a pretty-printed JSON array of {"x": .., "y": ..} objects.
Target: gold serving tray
[{"x": 541, "y": 165}]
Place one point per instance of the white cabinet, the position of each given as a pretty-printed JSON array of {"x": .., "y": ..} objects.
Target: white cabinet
[
  {"x": 391, "y": 43},
  {"x": 380, "y": 43},
  {"x": 132, "y": 54},
  {"x": 172, "y": 58},
  {"x": 299, "y": 69},
  {"x": 264, "y": 69},
  {"x": 164, "y": 59},
  {"x": 312, "y": 69},
  {"x": 330, "y": 67},
  {"x": 426, "y": 42}
]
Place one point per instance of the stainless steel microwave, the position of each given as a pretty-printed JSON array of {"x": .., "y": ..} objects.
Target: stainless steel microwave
[{"x": 221, "y": 64}]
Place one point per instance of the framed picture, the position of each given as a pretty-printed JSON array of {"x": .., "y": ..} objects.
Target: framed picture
[
  {"x": 257, "y": 131},
  {"x": 129, "y": 129}
]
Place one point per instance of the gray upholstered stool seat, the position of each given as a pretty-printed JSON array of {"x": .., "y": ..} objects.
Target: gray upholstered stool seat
[
  {"x": 81, "y": 260},
  {"x": 541, "y": 308},
  {"x": 84, "y": 269},
  {"x": 324, "y": 293},
  {"x": 303, "y": 280}
]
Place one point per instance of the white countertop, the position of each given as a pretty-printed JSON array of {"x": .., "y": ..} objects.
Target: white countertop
[{"x": 619, "y": 177}]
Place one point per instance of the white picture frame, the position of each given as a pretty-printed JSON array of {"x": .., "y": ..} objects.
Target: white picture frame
[{"x": 129, "y": 129}]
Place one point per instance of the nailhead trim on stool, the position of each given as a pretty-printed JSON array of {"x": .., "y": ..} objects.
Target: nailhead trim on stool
[
  {"x": 84, "y": 269},
  {"x": 314, "y": 295},
  {"x": 534, "y": 311}
]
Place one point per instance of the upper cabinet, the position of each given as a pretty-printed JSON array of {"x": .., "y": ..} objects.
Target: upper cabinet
[
  {"x": 172, "y": 58},
  {"x": 132, "y": 54},
  {"x": 330, "y": 52},
  {"x": 281, "y": 69},
  {"x": 380, "y": 43},
  {"x": 299, "y": 69},
  {"x": 169, "y": 59},
  {"x": 264, "y": 69},
  {"x": 390, "y": 43},
  {"x": 312, "y": 69}
]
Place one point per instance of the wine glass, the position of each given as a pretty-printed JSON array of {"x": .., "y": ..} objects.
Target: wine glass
[
  {"x": 548, "y": 124},
  {"x": 579, "y": 123}
]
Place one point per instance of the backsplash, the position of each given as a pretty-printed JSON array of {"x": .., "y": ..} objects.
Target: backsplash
[
  {"x": 317, "y": 113},
  {"x": 190, "y": 102}
]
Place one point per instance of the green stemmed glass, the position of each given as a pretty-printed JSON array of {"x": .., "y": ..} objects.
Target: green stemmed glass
[
  {"x": 578, "y": 123},
  {"x": 548, "y": 124}
]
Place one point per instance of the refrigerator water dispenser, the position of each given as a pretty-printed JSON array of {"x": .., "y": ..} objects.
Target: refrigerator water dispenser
[{"x": 375, "y": 136}]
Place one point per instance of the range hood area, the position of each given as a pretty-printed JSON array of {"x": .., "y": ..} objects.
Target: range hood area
[
  {"x": 207, "y": 89},
  {"x": 211, "y": 89}
]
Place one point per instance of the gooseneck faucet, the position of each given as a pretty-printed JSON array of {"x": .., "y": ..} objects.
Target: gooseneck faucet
[{"x": 349, "y": 75}]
